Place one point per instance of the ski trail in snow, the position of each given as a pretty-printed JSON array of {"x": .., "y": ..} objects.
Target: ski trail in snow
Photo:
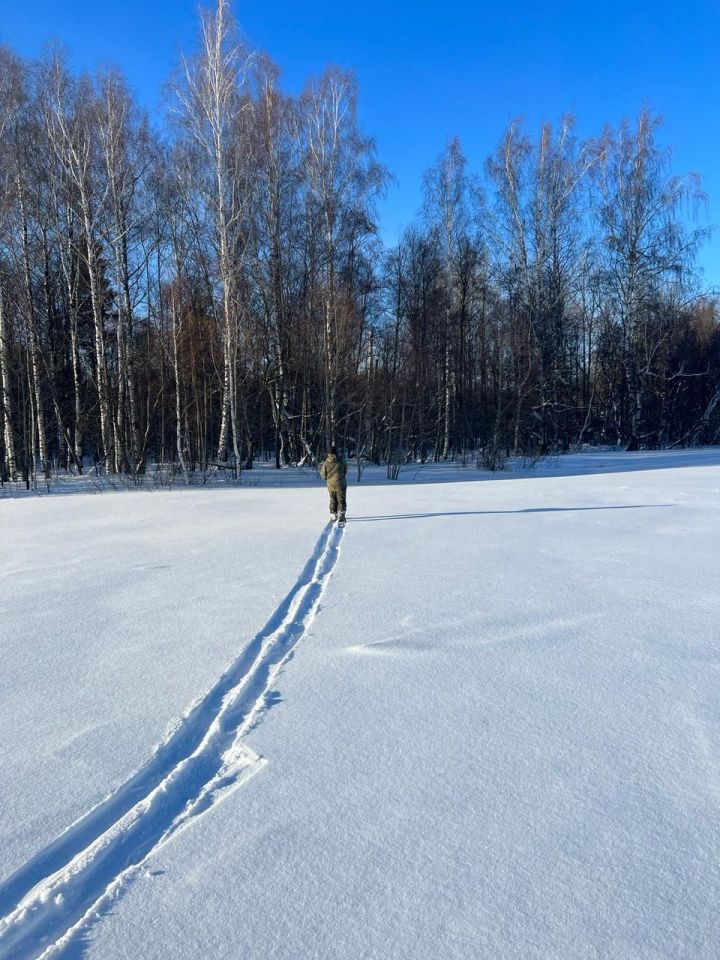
[{"x": 55, "y": 894}]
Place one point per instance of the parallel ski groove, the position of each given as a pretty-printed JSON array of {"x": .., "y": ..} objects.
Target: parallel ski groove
[{"x": 53, "y": 895}]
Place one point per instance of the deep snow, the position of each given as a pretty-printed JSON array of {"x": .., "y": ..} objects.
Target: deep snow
[{"x": 497, "y": 736}]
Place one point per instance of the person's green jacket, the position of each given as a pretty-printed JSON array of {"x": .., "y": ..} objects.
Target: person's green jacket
[{"x": 334, "y": 472}]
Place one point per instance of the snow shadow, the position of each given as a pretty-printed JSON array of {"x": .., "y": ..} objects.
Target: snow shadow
[
  {"x": 587, "y": 463},
  {"x": 491, "y": 513}
]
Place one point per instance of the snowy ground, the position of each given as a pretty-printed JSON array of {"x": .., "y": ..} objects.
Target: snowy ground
[{"x": 481, "y": 722}]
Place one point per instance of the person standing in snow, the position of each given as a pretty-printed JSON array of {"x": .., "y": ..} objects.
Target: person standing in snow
[{"x": 334, "y": 473}]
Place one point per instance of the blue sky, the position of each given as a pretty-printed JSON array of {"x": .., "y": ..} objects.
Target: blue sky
[{"x": 428, "y": 71}]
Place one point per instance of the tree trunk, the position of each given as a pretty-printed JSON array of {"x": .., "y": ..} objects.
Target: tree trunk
[
  {"x": 33, "y": 342},
  {"x": 106, "y": 423},
  {"x": 6, "y": 395}
]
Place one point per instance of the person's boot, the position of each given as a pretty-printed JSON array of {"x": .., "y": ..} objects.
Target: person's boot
[
  {"x": 333, "y": 517},
  {"x": 341, "y": 520}
]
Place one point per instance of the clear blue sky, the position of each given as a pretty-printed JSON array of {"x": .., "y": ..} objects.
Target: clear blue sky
[{"x": 428, "y": 71}]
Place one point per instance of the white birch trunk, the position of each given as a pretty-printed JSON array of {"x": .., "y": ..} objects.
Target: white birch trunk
[{"x": 9, "y": 436}]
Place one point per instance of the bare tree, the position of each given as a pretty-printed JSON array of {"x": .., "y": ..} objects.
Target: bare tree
[
  {"x": 10, "y": 100},
  {"x": 647, "y": 249},
  {"x": 212, "y": 100},
  {"x": 70, "y": 110},
  {"x": 343, "y": 179}
]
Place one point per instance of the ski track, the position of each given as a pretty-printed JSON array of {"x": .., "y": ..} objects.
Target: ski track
[{"x": 48, "y": 901}]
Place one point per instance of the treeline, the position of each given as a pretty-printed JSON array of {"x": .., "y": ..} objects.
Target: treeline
[{"x": 210, "y": 293}]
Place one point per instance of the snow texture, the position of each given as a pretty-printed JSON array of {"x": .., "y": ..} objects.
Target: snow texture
[{"x": 497, "y": 738}]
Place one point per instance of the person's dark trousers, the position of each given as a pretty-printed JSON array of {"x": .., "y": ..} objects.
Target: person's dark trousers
[{"x": 337, "y": 501}]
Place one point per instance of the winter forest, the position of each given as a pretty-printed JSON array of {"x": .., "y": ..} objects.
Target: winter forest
[{"x": 196, "y": 295}]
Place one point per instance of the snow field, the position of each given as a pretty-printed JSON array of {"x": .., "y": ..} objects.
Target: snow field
[{"x": 498, "y": 738}]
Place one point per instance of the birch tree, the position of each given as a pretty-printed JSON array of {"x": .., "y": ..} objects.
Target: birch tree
[
  {"x": 343, "y": 180},
  {"x": 70, "y": 114},
  {"x": 10, "y": 99},
  {"x": 647, "y": 249},
  {"x": 213, "y": 100}
]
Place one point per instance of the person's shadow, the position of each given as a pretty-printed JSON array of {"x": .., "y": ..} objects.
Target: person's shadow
[{"x": 490, "y": 513}]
